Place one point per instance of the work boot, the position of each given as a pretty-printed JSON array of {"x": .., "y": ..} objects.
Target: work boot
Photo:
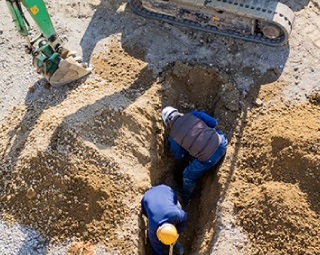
[
  {"x": 178, "y": 248},
  {"x": 188, "y": 187}
]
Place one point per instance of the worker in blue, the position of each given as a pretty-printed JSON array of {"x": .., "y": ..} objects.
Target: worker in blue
[
  {"x": 194, "y": 136},
  {"x": 166, "y": 219}
]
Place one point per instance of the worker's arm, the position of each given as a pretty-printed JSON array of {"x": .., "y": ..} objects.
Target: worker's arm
[
  {"x": 178, "y": 218},
  {"x": 210, "y": 121},
  {"x": 177, "y": 151},
  {"x": 143, "y": 210},
  {"x": 181, "y": 221}
]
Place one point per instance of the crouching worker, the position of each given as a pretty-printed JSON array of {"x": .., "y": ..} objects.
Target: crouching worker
[
  {"x": 194, "y": 136},
  {"x": 166, "y": 220}
]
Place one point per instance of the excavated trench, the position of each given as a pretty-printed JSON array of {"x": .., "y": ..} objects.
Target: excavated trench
[{"x": 188, "y": 87}]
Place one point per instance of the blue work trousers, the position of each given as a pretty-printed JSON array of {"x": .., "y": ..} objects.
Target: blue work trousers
[{"x": 197, "y": 168}]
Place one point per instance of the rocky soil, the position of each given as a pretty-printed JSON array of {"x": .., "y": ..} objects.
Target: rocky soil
[{"x": 76, "y": 160}]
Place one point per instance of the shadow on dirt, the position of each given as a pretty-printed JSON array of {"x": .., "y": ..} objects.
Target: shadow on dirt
[
  {"x": 94, "y": 202},
  {"x": 105, "y": 22},
  {"x": 28, "y": 247},
  {"x": 160, "y": 43},
  {"x": 37, "y": 100},
  {"x": 295, "y": 5}
]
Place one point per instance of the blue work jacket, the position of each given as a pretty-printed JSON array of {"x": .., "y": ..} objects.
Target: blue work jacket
[{"x": 160, "y": 205}]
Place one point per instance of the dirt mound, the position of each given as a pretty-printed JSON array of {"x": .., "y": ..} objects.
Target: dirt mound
[
  {"x": 69, "y": 189},
  {"x": 79, "y": 169},
  {"x": 278, "y": 218},
  {"x": 279, "y": 162},
  {"x": 283, "y": 145}
]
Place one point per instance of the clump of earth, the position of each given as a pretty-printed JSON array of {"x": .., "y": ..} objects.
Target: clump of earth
[{"x": 77, "y": 160}]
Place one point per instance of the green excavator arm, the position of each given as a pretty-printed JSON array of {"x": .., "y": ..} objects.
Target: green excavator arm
[{"x": 57, "y": 64}]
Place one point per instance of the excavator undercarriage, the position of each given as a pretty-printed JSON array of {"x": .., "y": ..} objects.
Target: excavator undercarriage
[{"x": 261, "y": 21}]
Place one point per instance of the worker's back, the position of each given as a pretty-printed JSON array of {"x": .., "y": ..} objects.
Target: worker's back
[{"x": 160, "y": 205}]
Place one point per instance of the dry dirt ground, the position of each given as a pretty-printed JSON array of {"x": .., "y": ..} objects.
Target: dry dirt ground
[{"x": 76, "y": 160}]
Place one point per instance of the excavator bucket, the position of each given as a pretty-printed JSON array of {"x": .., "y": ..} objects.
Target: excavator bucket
[
  {"x": 55, "y": 63},
  {"x": 69, "y": 70}
]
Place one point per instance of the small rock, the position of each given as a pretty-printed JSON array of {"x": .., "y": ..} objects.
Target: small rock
[
  {"x": 276, "y": 71},
  {"x": 32, "y": 89},
  {"x": 31, "y": 193},
  {"x": 47, "y": 85},
  {"x": 258, "y": 102}
]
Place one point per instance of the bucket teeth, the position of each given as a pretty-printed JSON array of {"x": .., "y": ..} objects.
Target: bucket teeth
[
  {"x": 72, "y": 53},
  {"x": 69, "y": 70},
  {"x": 78, "y": 59}
]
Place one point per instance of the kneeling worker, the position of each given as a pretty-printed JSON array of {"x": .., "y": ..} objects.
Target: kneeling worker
[
  {"x": 194, "y": 136},
  {"x": 166, "y": 219}
]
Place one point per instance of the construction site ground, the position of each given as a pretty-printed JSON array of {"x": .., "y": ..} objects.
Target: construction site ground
[{"x": 76, "y": 160}]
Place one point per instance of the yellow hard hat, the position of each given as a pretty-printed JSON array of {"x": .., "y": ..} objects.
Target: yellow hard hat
[{"x": 167, "y": 234}]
